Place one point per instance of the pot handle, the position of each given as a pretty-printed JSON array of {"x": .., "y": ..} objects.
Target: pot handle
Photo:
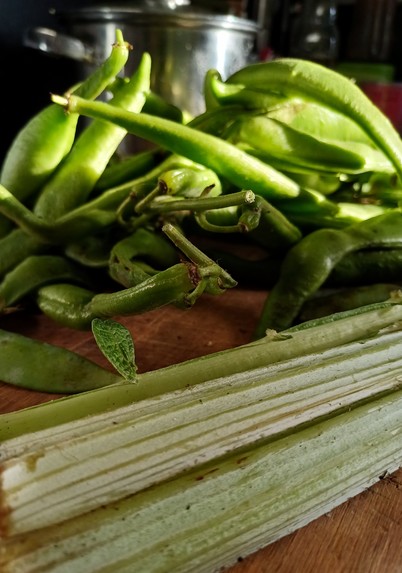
[{"x": 58, "y": 44}]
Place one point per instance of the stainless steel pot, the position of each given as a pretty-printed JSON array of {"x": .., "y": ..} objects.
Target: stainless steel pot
[{"x": 183, "y": 43}]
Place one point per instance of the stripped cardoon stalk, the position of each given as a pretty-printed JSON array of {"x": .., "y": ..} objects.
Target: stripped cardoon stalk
[
  {"x": 322, "y": 335},
  {"x": 71, "y": 469},
  {"x": 230, "y": 507}
]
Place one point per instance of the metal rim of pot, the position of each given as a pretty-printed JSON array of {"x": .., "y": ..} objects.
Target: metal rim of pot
[{"x": 173, "y": 18}]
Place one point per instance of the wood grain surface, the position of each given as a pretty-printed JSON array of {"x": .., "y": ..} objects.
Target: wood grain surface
[{"x": 362, "y": 535}]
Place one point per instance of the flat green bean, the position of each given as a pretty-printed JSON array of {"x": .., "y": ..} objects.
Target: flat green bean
[
  {"x": 71, "y": 185},
  {"x": 76, "y": 307},
  {"x": 295, "y": 77},
  {"x": 282, "y": 144},
  {"x": 140, "y": 255},
  {"x": 47, "y": 138},
  {"x": 240, "y": 168},
  {"x": 346, "y": 299},
  {"x": 181, "y": 284},
  {"x": 309, "y": 263},
  {"x": 50, "y": 368},
  {"x": 36, "y": 271}
]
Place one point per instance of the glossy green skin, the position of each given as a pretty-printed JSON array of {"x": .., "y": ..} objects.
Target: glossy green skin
[
  {"x": 47, "y": 138},
  {"x": 228, "y": 161},
  {"x": 72, "y": 183},
  {"x": 310, "y": 262},
  {"x": 76, "y": 307},
  {"x": 292, "y": 77},
  {"x": 40, "y": 146},
  {"x": 34, "y": 272},
  {"x": 49, "y": 368}
]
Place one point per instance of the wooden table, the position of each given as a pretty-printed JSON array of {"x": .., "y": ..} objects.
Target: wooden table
[{"x": 360, "y": 536}]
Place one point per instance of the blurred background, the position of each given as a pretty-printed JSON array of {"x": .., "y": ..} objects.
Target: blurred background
[{"x": 358, "y": 37}]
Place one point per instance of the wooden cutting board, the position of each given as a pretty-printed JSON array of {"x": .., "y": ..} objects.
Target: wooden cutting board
[{"x": 361, "y": 536}]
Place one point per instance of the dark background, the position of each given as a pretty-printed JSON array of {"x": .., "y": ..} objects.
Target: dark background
[{"x": 28, "y": 76}]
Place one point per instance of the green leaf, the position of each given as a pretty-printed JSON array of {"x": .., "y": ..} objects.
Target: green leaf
[{"x": 115, "y": 342}]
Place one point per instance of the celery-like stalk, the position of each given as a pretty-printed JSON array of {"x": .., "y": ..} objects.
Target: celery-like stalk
[
  {"x": 230, "y": 507},
  {"x": 281, "y": 431},
  {"x": 102, "y": 458},
  {"x": 328, "y": 333}
]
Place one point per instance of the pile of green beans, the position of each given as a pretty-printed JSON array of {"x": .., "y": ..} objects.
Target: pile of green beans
[{"x": 289, "y": 159}]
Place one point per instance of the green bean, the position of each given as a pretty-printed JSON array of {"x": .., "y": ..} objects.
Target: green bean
[
  {"x": 93, "y": 250},
  {"x": 190, "y": 181},
  {"x": 45, "y": 140},
  {"x": 283, "y": 144},
  {"x": 323, "y": 183},
  {"x": 310, "y": 201},
  {"x": 131, "y": 273},
  {"x": 36, "y": 271},
  {"x": 140, "y": 255},
  {"x": 128, "y": 168},
  {"x": 157, "y": 105},
  {"x": 215, "y": 121},
  {"x": 51, "y": 368},
  {"x": 365, "y": 267},
  {"x": 185, "y": 182},
  {"x": 313, "y": 210},
  {"x": 219, "y": 93},
  {"x": 309, "y": 263},
  {"x": 78, "y": 174},
  {"x": 154, "y": 103},
  {"x": 76, "y": 307},
  {"x": 294, "y": 77},
  {"x": 346, "y": 299},
  {"x": 93, "y": 216},
  {"x": 181, "y": 284},
  {"x": 16, "y": 246},
  {"x": 225, "y": 159}
]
